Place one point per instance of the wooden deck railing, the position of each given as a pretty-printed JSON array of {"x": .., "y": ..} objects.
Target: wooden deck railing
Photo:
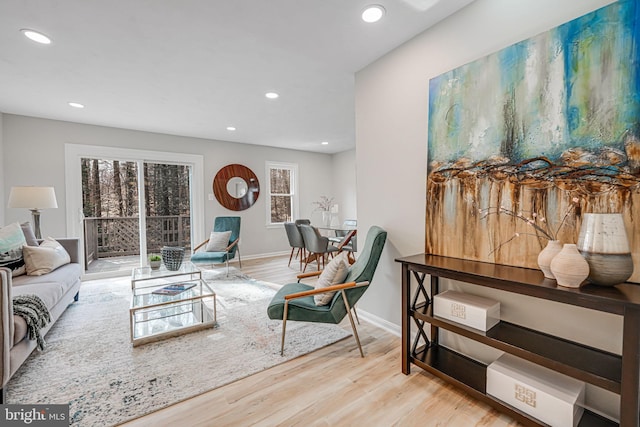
[{"x": 107, "y": 237}]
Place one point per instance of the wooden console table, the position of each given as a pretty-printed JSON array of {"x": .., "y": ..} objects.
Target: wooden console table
[{"x": 618, "y": 374}]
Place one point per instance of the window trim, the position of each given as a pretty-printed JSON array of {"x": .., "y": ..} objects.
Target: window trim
[{"x": 293, "y": 167}]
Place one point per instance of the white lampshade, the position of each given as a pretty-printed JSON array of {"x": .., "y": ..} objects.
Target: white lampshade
[{"x": 32, "y": 198}]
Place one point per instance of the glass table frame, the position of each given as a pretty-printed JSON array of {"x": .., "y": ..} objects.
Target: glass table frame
[
  {"x": 153, "y": 317},
  {"x": 144, "y": 276}
]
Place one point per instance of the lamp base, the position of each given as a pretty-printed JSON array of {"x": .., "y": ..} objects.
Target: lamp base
[{"x": 35, "y": 214}]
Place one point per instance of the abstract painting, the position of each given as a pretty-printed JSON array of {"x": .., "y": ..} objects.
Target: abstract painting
[{"x": 525, "y": 140}]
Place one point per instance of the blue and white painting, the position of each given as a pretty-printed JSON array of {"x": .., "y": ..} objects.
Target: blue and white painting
[{"x": 542, "y": 130}]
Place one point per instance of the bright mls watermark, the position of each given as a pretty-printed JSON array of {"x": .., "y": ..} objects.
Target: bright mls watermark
[{"x": 35, "y": 415}]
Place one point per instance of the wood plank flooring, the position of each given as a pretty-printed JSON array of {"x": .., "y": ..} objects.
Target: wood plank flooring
[{"x": 332, "y": 386}]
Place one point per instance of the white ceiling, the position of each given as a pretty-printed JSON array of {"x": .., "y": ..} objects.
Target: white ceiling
[{"x": 194, "y": 67}]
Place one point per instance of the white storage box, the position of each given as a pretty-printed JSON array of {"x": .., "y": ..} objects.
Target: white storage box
[
  {"x": 470, "y": 310},
  {"x": 549, "y": 396}
]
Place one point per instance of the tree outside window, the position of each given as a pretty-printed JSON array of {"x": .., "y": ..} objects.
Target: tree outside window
[{"x": 282, "y": 195}]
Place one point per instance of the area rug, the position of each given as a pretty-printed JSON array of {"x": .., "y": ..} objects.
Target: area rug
[{"x": 89, "y": 361}]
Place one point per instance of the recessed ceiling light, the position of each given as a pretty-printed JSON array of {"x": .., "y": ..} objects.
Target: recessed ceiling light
[
  {"x": 76, "y": 105},
  {"x": 231, "y": 128},
  {"x": 271, "y": 95},
  {"x": 373, "y": 13},
  {"x": 36, "y": 36},
  {"x": 324, "y": 143}
]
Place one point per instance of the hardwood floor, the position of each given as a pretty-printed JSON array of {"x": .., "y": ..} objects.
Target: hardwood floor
[{"x": 332, "y": 386}]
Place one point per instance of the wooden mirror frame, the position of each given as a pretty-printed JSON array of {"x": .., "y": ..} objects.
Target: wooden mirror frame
[{"x": 227, "y": 200}]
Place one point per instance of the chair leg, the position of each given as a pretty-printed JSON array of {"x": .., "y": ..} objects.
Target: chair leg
[
  {"x": 284, "y": 326},
  {"x": 239, "y": 258},
  {"x": 306, "y": 262},
  {"x": 290, "y": 257},
  {"x": 353, "y": 325},
  {"x": 303, "y": 254},
  {"x": 356, "y": 313}
]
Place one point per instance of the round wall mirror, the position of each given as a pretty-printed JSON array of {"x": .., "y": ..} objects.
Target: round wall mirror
[{"x": 236, "y": 187}]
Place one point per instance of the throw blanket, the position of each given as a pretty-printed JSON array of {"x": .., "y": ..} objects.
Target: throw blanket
[{"x": 35, "y": 313}]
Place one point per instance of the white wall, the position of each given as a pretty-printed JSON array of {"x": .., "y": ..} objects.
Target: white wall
[
  {"x": 344, "y": 185},
  {"x": 391, "y": 154},
  {"x": 37, "y": 147},
  {"x": 2, "y": 192}
]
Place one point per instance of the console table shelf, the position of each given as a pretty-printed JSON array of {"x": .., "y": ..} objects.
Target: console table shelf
[
  {"x": 585, "y": 363},
  {"x": 615, "y": 373}
]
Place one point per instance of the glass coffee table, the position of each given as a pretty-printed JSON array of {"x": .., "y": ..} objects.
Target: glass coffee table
[
  {"x": 146, "y": 277},
  {"x": 155, "y": 315}
]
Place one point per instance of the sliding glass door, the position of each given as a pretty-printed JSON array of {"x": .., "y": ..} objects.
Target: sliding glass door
[
  {"x": 111, "y": 215},
  {"x": 167, "y": 206},
  {"x": 129, "y": 208}
]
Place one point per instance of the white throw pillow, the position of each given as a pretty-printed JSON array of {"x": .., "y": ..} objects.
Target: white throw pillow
[
  {"x": 45, "y": 258},
  {"x": 333, "y": 274},
  {"x": 218, "y": 241},
  {"x": 11, "y": 243}
]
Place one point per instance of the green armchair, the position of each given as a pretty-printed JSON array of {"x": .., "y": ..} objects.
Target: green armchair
[
  {"x": 294, "y": 301},
  {"x": 221, "y": 223}
]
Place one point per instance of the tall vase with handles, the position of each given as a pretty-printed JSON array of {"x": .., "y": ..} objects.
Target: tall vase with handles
[
  {"x": 569, "y": 267},
  {"x": 546, "y": 255},
  {"x": 603, "y": 243}
]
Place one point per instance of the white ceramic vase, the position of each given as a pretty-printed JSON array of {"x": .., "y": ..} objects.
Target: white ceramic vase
[
  {"x": 546, "y": 255},
  {"x": 569, "y": 267},
  {"x": 603, "y": 243}
]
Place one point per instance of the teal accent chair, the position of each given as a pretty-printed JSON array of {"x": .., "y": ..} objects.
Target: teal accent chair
[
  {"x": 221, "y": 223},
  {"x": 294, "y": 301}
]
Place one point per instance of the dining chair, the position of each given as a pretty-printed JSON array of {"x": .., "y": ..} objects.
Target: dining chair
[
  {"x": 295, "y": 241},
  {"x": 317, "y": 246},
  {"x": 347, "y": 244},
  {"x": 346, "y": 238}
]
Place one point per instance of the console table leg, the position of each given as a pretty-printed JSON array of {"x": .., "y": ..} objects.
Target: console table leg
[
  {"x": 629, "y": 403},
  {"x": 435, "y": 288},
  {"x": 406, "y": 325}
]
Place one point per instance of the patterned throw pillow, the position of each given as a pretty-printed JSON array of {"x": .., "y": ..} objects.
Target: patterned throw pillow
[
  {"x": 11, "y": 243},
  {"x": 333, "y": 274},
  {"x": 218, "y": 241}
]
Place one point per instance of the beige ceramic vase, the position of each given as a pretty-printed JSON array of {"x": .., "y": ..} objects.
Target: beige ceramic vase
[
  {"x": 569, "y": 267},
  {"x": 546, "y": 255}
]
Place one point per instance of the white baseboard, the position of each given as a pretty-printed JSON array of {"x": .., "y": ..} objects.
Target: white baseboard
[
  {"x": 259, "y": 256},
  {"x": 380, "y": 322}
]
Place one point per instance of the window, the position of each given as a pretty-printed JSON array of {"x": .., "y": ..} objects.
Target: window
[{"x": 282, "y": 203}]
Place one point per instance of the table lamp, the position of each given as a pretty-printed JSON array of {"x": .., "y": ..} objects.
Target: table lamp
[{"x": 33, "y": 198}]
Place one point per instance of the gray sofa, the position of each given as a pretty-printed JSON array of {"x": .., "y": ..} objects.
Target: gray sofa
[{"x": 57, "y": 290}]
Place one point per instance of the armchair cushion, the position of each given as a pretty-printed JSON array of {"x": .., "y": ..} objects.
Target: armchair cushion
[
  {"x": 301, "y": 309},
  {"x": 218, "y": 241},
  {"x": 333, "y": 274},
  {"x": 45, "y": 258}
]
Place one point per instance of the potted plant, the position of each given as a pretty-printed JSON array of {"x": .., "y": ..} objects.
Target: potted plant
[{"x": 155, "y": 261}]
